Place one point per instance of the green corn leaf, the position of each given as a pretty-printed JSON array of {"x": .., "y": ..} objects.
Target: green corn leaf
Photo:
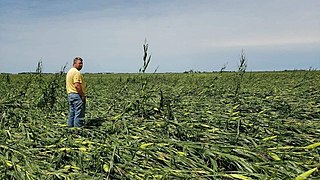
[
  {"x": 9, "y": 163},
  {"x": 144, "y": 146},
  {"x": 312, "y": 146},
  {"x": 106, "y": 168},
  {"x": 274, "y": 156},
  {"x": 306, "y": 174},
  {"x": 269, "y": 138},
  {"x": 239, "y": 176}
]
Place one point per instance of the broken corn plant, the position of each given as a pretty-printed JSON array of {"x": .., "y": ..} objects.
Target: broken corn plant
[{"x": 164, "y": 126}]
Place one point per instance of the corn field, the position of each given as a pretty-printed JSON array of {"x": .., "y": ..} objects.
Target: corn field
[{"x": 163, "y": 126}]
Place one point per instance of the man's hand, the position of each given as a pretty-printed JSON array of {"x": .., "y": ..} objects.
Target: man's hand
[
  {"x": 79, "y": 90},
  {"x": 83, "y": 99}
]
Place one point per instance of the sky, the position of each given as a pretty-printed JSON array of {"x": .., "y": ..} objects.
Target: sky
[{"x": 183, "y": 35}]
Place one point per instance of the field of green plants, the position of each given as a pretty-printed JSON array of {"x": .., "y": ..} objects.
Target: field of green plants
[{"x": 227, "y": 125}]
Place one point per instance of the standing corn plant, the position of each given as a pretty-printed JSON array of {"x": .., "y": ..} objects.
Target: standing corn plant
[
  {"x": 51, "y": 90},
  {"x": 146, "y": 58},
  {"x": 242, "y": 67},
  {"x": 241, "y": 70}
]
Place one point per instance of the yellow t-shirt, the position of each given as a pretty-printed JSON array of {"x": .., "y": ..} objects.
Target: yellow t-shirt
[{"x": 74, "y": 76}]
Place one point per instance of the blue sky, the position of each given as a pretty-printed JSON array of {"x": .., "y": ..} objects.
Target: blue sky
[{"x": 202, "y": 35}]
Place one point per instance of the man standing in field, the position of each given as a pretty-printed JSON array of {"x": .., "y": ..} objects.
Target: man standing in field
[{"x": 76, "y": 89}]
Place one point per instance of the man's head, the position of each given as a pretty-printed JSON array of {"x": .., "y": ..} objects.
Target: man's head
[{"x": 78, "y": 63}]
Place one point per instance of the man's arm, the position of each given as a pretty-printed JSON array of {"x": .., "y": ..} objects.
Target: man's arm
[{"x": 78, "y": 87}]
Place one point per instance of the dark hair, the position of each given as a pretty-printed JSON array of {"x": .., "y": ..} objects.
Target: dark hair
[{"x": 76, "y": 59}]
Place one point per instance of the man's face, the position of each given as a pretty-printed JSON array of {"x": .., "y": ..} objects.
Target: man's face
[{"x": 78, "y": 64}]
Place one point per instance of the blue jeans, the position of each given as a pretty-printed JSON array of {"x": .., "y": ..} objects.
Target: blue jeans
[{"x": 77, "y": 110}]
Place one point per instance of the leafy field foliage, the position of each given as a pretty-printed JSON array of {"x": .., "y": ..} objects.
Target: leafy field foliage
[{"x": 163, "y": 126}]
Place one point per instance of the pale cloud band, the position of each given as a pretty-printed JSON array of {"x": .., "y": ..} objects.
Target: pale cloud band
[{"x": 110, "y": 33}]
